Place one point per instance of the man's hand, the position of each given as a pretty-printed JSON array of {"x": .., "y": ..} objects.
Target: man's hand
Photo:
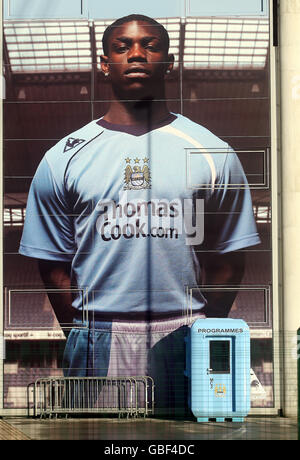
[
  {"x": 56, "y": 275},
  {"x": 221, "y": 270}
]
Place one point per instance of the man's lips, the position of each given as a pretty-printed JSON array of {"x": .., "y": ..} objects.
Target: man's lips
[{"x": 136, "y": 72}]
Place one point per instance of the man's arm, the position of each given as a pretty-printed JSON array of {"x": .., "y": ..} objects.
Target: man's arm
[
  {"x": 56, "y": 275},
  {"x": 222, "y": 270}
]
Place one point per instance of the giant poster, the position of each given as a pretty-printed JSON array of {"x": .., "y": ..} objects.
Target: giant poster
[{"x": 190, "y": 186}]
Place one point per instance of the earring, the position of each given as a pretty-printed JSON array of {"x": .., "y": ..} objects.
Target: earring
[{"x": 168, "y": 71}]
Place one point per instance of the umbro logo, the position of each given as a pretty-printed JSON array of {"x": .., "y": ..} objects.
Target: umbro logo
[{"x": 72, "y": 143}]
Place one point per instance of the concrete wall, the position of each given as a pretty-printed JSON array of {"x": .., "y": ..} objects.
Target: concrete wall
[{"x": 289, "y": 48}]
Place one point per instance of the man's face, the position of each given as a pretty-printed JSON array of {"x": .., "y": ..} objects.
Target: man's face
[{"x": 137, "y": 60}]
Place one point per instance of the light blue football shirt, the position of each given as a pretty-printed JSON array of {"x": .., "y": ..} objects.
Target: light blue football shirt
[{"x": 134, "y": 211}]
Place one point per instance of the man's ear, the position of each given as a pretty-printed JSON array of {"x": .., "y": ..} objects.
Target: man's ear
[
  {"x": 170, "y": 63},
  {"x": 104, "y": 64}
]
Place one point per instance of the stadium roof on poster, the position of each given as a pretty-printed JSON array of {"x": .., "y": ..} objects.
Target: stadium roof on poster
[
  {"x": 48, "y": 45},
  {"x": 227, "y": 42},
  {"x": 200, "y": 43}
]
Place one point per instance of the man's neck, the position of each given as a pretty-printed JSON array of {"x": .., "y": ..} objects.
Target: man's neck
[{"x": 137, "y": 113}]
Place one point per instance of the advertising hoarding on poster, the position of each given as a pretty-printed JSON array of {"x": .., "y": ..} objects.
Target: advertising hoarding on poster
[{"x": 54, "y": 85}]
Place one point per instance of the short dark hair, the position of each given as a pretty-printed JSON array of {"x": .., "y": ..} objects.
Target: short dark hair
[{"x": 133, "y": 17}]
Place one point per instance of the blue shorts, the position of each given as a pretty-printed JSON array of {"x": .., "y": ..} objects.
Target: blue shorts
[{"x": 120, "y": 348}]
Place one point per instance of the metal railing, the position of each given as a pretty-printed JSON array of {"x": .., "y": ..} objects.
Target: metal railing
[{"x": 124, "y": 396}]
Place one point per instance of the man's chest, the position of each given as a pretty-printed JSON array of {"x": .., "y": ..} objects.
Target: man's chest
[{"x": 146, "y": 169}]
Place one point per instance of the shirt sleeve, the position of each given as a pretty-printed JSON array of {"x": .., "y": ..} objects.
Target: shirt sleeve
[
  {"x": 230, "y": 223},
  {"x": 48, "y": 229}
]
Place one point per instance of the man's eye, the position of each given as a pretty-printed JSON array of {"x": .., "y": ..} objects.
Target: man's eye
[
  {"x": 121, "y": 49},
  {"x": 152, "y": 47}
]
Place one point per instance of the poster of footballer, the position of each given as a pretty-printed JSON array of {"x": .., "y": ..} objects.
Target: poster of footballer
[{"x": 137, "y": 191}]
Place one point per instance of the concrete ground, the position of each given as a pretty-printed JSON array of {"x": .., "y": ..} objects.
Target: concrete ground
[{"x": 149, "y": 429}]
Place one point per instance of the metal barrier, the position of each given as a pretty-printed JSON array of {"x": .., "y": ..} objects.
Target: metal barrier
[{"x": 125, "y": 396}]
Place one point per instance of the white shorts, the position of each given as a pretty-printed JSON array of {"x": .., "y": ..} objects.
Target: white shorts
[{"x": 121, "y": 348}]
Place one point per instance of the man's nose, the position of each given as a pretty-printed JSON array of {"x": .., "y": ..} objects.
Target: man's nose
[{"x": 137, "y": 53}]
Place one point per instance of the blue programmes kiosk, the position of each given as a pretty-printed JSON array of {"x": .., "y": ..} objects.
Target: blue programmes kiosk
[{"x": 218, "y": 357}]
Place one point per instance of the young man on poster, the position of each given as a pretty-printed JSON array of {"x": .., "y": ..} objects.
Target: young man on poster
[{"x": 138, "y": 210}]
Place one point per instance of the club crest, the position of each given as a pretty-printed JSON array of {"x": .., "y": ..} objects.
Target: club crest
[
  {"x": 136, "y": 176},
  {"x": 220, "y": 391}
]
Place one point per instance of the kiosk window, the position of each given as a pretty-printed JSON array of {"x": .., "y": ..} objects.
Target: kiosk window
[{"x": 219, "y": 351}]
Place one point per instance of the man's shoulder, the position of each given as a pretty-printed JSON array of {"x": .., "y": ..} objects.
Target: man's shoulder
[
  {"x": 198, "y": 133},
  {"x": 71, "y": 143},
  {"x": 58, "y": 157}
]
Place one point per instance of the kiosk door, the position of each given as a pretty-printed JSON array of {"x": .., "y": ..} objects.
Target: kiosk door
[{"x": 220, "y": 376}]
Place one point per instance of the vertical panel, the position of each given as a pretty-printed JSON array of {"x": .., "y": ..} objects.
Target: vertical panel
[
  {"x": 116, "y": 9},
  {"x": 226, "y": 88},
  {"x": 36, "y": 9},
  {"x": 227, "y": 7}
]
